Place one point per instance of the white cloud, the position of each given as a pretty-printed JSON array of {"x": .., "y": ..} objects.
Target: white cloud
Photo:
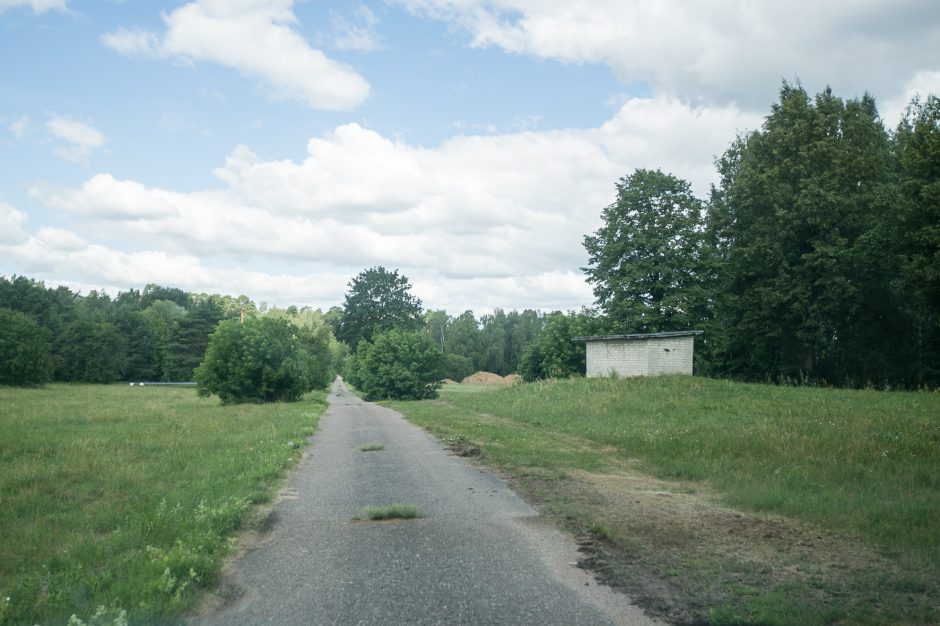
[
  {"x": 476, "y": 222},
  {"x": 258, "y": 39},
  {"x": 19, "y": 127},
  {"x": 11, "y": 224},
  {"x": 81, "y": 140},
  {"x": 38, "y": 6},
  {"x": 920, "y": 85},
  {"x": 722, "y": 50},
  {"x": 355, "y": 30}
]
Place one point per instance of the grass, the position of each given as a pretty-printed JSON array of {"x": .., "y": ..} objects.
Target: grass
[
  {"x": 128, "y": 498},
  {"x": 372, "y": 447},
  {"x": 391, "y": 511},
  {"x": 862, "y": 463}
]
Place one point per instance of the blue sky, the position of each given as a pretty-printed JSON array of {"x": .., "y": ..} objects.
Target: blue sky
[{"x": 276, "y": 148}]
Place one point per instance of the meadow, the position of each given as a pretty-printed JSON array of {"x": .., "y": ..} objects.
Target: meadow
[
  {"x": 852, "y": 475},
  {"x": 120, "y": 503}
]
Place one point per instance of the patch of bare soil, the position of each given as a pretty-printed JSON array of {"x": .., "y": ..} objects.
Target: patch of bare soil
[
  {"x": 678, "y": 553},
  {"x": 485, "y": 378},
  {"x": 449, "y": 381}
]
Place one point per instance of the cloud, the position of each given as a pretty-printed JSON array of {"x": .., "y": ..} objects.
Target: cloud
[
  {"x": 11, "y": 225},
  {"x": 718, "y": 51},
  {"x": 81, "y": 140},
  {"x": 477, "y": 221},
  {"x": 920, "y": 85},
  {"x": 38, "y": 6},
  {"x": 258, "y": 39},
  {"x": 355, "y": 30},
  {"x": 19, "y": 127}
]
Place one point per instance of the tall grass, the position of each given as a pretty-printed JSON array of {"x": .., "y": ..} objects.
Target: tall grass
[
  {"x": 126, "y": 498},
  {"x": 859, "y": 460}
]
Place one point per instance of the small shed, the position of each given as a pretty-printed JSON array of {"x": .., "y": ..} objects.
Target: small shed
[{"x": 649, "y": 354}]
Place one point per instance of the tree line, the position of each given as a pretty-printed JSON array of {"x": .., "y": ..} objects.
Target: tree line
[{"x": 815, "y": 258}]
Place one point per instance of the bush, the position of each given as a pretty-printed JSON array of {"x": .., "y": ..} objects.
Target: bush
[
  {"x": 259, "y": 360},
  {"x": 25, "y": 350},
  {"x": 398, "y": 365}
]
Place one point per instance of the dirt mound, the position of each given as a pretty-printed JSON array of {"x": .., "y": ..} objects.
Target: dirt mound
[
  {"x": 512, "y": 378},
  {"x": 484, "y": 377}
]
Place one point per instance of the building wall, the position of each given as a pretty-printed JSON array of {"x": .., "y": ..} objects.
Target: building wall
[{"x": 640, "y": 357}]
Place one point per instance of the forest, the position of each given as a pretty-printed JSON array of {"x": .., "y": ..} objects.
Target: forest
[{"x": 814, "y": 259}]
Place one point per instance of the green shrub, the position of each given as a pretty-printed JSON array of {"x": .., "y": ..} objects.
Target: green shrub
[
  {"x": 259, "y": 360},
  {"x": 25, "y": 351},
  {"x": 397, "y": 364}
]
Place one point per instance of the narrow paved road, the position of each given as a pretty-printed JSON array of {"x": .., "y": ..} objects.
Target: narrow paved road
[{"x": 479, "y": 554}]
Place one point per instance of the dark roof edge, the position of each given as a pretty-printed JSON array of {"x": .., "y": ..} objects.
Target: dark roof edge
[{"x": 675, "y": 333}]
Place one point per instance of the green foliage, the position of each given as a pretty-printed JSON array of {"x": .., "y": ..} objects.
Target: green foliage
[
  {"x": 917, "y": 233},
  {"x": 25, "y": 350},
  {"x": 397, "y": 364},
  {"x": 456, "y": 366},
  {"x": 259, "y": 360},
  {"x": 646, "y": 262},
  {"x": 91, "y": 352},
  {"x": 555, "y": 354},
  {"x": 378, "y": 300},
  {"x": 802, "y": 260}
]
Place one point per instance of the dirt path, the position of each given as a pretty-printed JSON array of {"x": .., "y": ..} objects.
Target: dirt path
[{"x": 478, "y": 555}]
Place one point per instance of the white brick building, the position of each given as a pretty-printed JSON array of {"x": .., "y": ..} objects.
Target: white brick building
[{"x": 640, "y": 355}]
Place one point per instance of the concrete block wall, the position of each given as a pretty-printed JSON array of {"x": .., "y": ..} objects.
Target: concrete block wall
[{"x": 640, "y": 357}]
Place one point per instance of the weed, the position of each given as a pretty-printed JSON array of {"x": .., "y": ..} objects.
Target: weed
[
  {"x": 391, "y": 511},
  {"x": 372, "y": 447}
]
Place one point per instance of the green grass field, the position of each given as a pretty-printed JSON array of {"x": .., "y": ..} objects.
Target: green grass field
[
  {"x": 128, "y": 498},
  {"x": 864, "y": 465}
]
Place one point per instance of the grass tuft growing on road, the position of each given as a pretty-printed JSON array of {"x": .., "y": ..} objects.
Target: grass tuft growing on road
[
  {"x": 115, "y": 498},
  {"x": 863, "y": 464},
  {"x": 391, "y": 511},
  {"x": 372, "y": 447}
]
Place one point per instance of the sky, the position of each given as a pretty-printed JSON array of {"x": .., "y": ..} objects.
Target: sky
[{"x": 276, "y": 148}]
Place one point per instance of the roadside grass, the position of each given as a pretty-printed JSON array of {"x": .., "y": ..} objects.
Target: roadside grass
[
  {"x": 391, "y": 511},
  {"x": 864, "y": 465},
  {"x": 372, "y": 447},
  {"x": 116, "y": 498}
]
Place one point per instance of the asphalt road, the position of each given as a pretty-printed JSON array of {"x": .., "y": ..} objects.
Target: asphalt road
[{"x": 478, "y": 555}]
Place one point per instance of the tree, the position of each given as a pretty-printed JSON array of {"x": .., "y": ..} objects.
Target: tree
[
  {"x": 794, "y": 226},
  {"x": 258, "y": 360},
  {"x": 25, "y": 350},
  {"x": 917, "y": 235},
  {"x": 397, "y": 364},
  {"x": 91, "y": 352},
  {"x": 555, "y": 354},
  {"x": 378, "y": 300},
  {"x": 646, "y": 261},
  {"x": 463, "y": 338}
]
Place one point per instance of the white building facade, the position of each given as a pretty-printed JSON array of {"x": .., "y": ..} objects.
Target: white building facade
[{"x": 640, "y": 355}]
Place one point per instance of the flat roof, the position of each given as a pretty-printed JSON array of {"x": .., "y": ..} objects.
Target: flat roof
[{"x": 675, "y": 333}]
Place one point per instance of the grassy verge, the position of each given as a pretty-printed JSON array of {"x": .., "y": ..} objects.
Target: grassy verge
[
  {"x": 840, "y": 490},
  {"x": 128, "y": 498}
]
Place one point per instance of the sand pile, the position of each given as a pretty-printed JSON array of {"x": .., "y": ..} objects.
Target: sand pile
[{"x": 486, "y": 378}]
